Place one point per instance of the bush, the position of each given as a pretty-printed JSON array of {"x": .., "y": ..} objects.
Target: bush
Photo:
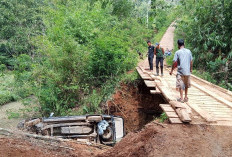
[
  {"x": 19, "y": 22},
  {"x": 80, "y": 61},
  {"x": 206, "y": 27}
]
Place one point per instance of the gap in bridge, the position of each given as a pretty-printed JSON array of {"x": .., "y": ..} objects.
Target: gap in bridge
[{"x": 136, "y": 105}]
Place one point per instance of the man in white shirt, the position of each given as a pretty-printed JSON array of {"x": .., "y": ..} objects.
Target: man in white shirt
[{"x": 184, "y": 60}]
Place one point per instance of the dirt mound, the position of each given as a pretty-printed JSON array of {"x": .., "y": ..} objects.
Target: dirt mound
[
  {"x": 136, "y": 105},
  {"x": 36, "y": 148},
  {"x": 175, "y": 140},
  {"x": 18, "y": 147}
]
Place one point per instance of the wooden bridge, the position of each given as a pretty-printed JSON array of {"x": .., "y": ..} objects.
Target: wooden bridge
[{"x": 208, "y": 103}]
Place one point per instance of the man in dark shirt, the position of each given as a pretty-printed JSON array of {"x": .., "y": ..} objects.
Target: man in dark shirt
[
  {"x": 150, "y": 54},
  {"x": 159, "y": 52}
]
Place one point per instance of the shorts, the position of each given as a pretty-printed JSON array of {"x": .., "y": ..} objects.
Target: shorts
[{"x": 183, "y": 81}]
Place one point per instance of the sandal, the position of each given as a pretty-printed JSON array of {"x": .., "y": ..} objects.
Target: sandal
[
  {"x": 180, "y": 100},
  {"x": 186, "y": 99}
]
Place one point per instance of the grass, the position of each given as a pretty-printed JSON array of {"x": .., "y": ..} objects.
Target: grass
[
  {"x": 7, "y": 93},
  {"x": 163, "y": 117},
  {"x": 10, "y": 90}
]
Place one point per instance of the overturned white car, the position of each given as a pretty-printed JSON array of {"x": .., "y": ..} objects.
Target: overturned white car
[{"x": 104, "y": 129}]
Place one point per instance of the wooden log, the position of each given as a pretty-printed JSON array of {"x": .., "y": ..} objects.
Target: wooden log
[{"x": 183, "y": 115}]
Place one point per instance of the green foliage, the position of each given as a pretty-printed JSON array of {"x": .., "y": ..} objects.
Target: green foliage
[
  {"x": 161, "y": 15},
  {"x": 19, "y": 21},
  {"x": 82, "y": 55},
  {"x": 111, "y": 57},
  {"x": 122, "y": 8},
  {"x": 11, "y": 89},
  {"x": 206, "y": 26},
  {"x": 163, "y": 117},
  {"x": 72, "y": 54}
]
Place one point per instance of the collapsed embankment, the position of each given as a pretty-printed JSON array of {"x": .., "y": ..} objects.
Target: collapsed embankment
[
  {"x": 136, "y": 105},
  {"x": 175, "y": 140}
]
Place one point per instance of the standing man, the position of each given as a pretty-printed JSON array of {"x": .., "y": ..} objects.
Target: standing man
[
  {"x": 159, "y": 52},
  {"x": 184, "y": 61},
  {"x": 150, "y": 54}
]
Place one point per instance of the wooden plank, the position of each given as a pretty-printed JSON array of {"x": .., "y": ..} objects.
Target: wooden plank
[
  {"x": 202, "y": 98},
  {"x": 222, "y": 119},
  {"x": 211, "y": 84},
  {"x": 139, "y": 71},
  {"x": 212, "y": 94},
  {"x": 222, "y": 115},
  {"x": 175, "y": 120},
  {"x": 208, "y": 103},
  {"x": 219, "y": 110},
  {"x": 195, "y": 94},
  {"x": 165, "y": 83},
  {"x": 155, "y": 91},
  {"x": 167, "y": 108},
  {"x": 143, "y": 76},
  {"x": 206, "y": 106},
  {"x": 166, "y": 92},
  {"x": 223, "y": 123},
  {"x": 171, "y": 114},
  {"x": 204, "y": 114},
  {"x": 146, "y": 77},
  {"x": 183, "y": 115},
  {"x": 215, "y": 107},
  {"x": 150, "y": 83},
  {"x": 155, "y": 77},
  {"x": 176, "y": 104}
]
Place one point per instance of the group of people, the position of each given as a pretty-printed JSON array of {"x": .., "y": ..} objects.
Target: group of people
[{"x": 183, "y": 60}]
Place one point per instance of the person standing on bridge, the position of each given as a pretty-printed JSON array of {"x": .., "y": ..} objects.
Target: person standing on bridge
[
  {"x": 184, "y": 61},
  {"x": 150, "y": 54},
  {"x": 159, "y": 52}
]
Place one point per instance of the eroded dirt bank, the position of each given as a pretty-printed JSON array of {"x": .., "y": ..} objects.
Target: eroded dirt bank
[
  {"x": 175, "y": 140},
  {"x": 27, "y": 147},
  {"x": 152, "y": 140},
  {"x": 136, "y": 105}
]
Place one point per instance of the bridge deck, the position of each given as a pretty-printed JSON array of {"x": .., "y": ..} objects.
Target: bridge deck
[
  {"x": 208, "y": 103},
  {"x": 214, "y": 109}
]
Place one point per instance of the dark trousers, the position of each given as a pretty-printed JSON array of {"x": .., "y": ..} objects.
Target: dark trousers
[
  {"x": 159, "y": 60},
  {"x": 150, "y": 60}
]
